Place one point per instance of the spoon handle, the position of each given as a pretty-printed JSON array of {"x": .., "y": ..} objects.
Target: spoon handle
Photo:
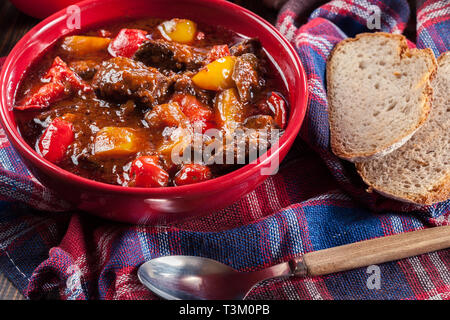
[{"x": 374, "y": 251}]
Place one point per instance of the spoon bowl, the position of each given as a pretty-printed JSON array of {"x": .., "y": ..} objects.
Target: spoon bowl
[{"x": 197, "y": 278}]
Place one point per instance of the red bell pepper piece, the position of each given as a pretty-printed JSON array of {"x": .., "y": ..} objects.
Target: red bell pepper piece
[
  {"x": 46, "y": 94},
  {"x": 146, "y": 172},
  {"x": 277, "y": 106},
  {"x": 55, "y": 140},
  {"x": 126, "y": 43},
  {"x": 61, "y": 78},
  {"x": 218, "y": 52},
  {"x": 195, "y": 110},
  {"x": 60, "y": 72},
  {"x": 192, "y": 173}
]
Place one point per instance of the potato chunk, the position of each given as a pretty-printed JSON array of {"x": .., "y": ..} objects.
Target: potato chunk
[
  {"x": 229, "y": 110},
  {"x": 116, "y": 142},
  {"x": 84, "y": 45},
  {"x": 173, "y": 125}
]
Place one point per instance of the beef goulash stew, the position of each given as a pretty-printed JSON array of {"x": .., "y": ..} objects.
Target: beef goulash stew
[{"x": 108, "y": 105}]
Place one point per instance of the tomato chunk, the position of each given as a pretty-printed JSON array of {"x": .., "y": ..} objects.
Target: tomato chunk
[
  {"x": 126, "y": 43},
  {"x": 217, "y": 52},
  {"x": 147, "y": 172},
  {"x": 194, "y": 109},
  {"x": 55, "y": 140},
  {"x": 192, "y": 173},
  {"x": 277, "y": 106}
]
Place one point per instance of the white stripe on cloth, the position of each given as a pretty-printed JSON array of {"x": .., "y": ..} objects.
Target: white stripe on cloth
[
  {"x": 319, "y": 42},
  {"x": 287, "y": 27},
  {"x": 422, "y": 275},
  {"x": 435, "y": 14},
  {"x": 289, "y": 290},
  {"x": 274, "y": 203},
  {"x": 10, "y": 235},
  {"x": 254, "y": 206},
  {"x": 443, "y": 220},
  {"x": 163, "y": 241},
  {"x": 15, "y": 266},
  {"x": 440, "y": 267},
  {"x": 441, "y": 296},
  {"x": 296, "y": 239},
  {"x": 316, "y": 88},
  {"x": 420, "y": 271},
  {"x": 397, "y": 224},
  {"x": 275, "y": 241},
  {"x": 81, "y": 263},
  {"x": 360, "y": 12},
  {"x": 102, "y": 246},
  {"x": 333, "y": 194},
  {"x": 312, "y": 289},
  {"x": 431, "y": 7},
  {"x": 127, "y": 283},
  {"x": 143, "y": 240}
]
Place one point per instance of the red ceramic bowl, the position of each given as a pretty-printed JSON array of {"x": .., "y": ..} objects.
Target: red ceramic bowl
[
  {"x": 159, "y": 205},
  {"x": 41, "y": 8}
]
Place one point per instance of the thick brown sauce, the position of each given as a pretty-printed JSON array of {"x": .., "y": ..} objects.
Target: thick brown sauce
[{"x": 93, "y": 113}]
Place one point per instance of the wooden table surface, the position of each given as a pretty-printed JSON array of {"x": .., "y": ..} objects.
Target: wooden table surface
[{"x": 14, "y": 24}]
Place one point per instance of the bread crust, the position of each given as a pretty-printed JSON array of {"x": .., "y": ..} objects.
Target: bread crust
[
  {"x": 438, "y": 193},
  {"x": 338, "y": 148}
]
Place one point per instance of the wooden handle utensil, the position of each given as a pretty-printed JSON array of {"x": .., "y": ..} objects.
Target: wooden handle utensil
[{"x": 374, "y": 251}]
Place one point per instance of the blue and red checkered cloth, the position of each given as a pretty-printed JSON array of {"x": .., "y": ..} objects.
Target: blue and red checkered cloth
[{"x": 316, "y": 201}]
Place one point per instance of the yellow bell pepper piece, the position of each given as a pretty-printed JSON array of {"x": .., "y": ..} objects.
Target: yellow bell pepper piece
[
  {"x": 216, "y": 75},
  {"x": 229, "y": 111},
  {"x": 83, "y": 45},
  {"x": 178, "y": 30},
  {"x": 115, "y": 142}
]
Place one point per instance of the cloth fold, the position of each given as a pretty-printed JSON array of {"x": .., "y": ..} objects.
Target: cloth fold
[{"x": 316, "y": 201}]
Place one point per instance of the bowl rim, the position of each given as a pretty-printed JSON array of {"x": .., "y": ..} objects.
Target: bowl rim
[{"x": 296, "y": 117}]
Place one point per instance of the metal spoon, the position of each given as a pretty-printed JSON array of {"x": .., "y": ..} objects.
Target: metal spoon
[{"x": 189, "y": 277}]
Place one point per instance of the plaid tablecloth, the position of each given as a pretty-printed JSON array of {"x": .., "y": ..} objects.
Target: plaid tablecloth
[{"x": 316, "y": 201}]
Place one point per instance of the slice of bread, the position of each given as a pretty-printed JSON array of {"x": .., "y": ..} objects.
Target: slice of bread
[
  {"x": 378, "y": 94},
  {"x": 419, "y": 171}
]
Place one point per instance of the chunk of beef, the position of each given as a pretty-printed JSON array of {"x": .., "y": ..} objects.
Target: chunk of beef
[
  {"x": 86, "y": 69},
  {"x": 245, "y": 76},
  {"x": 124, "y": 78},
  {"x": 249, "y": 143},
  {"x": 259, "y": 122},
  {"x": 183, "y": 84},
  {"x": 251, "y": 45},
  {"x": 170, "y": 55}
]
